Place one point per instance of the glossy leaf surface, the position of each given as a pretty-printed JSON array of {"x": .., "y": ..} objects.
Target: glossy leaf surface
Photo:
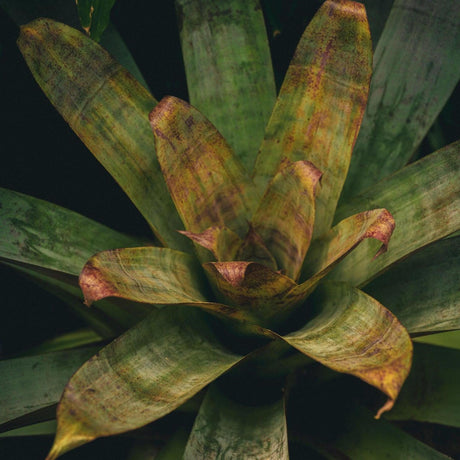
[
  {"x": 416, "y": 68},
  {"x": 207, "y": 183},
  {"x": 228, "y": 68},
  {"x": 423, "y": 290},
  {"x": 352, "y": 333},
  {"x": 94, "y": 16},
  {"x": 424, "y": 199},
  {"x": 431, "y": 391},
  {"x": 141, "y": 376},
  {"x": 36, "y": 382},
  {"x": 285, "y": 217},
  {"x": 226, "y": 429},
  {"x": 321, "y": 103},
  {"x": 108, "y": 109}
]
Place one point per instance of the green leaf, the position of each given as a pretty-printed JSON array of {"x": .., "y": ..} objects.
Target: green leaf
[
  {"x": 422, "y": 290},
  {"x": 416, "y": 68},
  {"x": 285, "y": 217},
  {"x": 228, "y": 67},
  {"x": 226, "y": 429},
  {"x": 108, "y": 110},
  {"x": 158, "y": 276},
  {"x": 42, "y": 234},
  {"x": 377, "y": 15},
  {"x": 424, "y": 199},
  {"x": 37, "y": 429},
  {"x": 207, "y": 183},
  {"x": 450, "y": 339},
  {"x": 36, "y": 382},
  {"x": 175, "y": 446},
  {"x": 431, "y": 391},
  {"x": 321, "y": 103},
  {"x": 143, "y": 375},
  {"x": 351, "y": 332},
  {"x": 94, "y": 16}
]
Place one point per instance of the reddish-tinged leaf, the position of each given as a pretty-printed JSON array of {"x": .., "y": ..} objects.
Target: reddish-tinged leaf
[
  {"x": 286, "y": 214},
  {"x": 207, "y": 183},
  {"x": 321, "y": 103},
  {"x": 351, "y": 332}
]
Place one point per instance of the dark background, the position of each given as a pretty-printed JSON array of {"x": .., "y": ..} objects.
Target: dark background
[{"x": 41, "y": 156}]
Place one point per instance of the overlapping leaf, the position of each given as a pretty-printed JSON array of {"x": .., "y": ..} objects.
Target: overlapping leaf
[
  {"x": 424, "y": 199},
  {"x": 108, "y": 109},
  {"x": 410, "y": 86},
  {"x": 228, "y": 67},
  {"x": 143, "y": 375},
  {"x": 321, "y": 103},
  {"x": 94, "y": 16},
  {"x": 224, "y": 428}
]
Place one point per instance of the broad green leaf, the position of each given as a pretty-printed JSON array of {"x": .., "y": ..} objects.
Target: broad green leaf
[
  {"x": 143, "y": 375},
  {"x": 423, "y": 290},
  {"x": 424, "y": 199},
  {"x": 37, "y": 429},
  {"x": 450, "y": 339},
  {"x": 321, "y": 103},
  {"x": 416, "y": 68},
  {"x": 35, "y": 382},
  {"x": 207, "y": 183},
  {"x": 94, "y": 16},
  {"x": 431, "y": 391},
  {"x": 258, "y": 290},
  {"x": 108, "y": 110},
  {"x": 226, "y": 429},
  {"x": 158, "y": 276},
  {"x": 228, "y": 67},
  {"x": 351, "y": 332},
  {"x": 285, "y": 217},
  {"x": 35, "y": 232}
]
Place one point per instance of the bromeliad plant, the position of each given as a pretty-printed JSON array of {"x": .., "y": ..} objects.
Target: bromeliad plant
[{"x": 235, "y": 297}]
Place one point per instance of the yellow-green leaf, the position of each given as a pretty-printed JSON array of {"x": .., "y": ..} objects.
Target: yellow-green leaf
[
  {"x": 226, "y": 429},
  {"x": 351, "y": 332},
  {"x": 207, "y": 183},
  {"x": 321, "y": 103},
  {"x": 108, "y": 109},
  {"x": 285, "y": 217},
  {"x": 143, "y": 375},
  {"x": 228, "y": 68}
]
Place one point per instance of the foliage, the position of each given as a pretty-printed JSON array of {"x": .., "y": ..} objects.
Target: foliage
[{"x": 233, "y": 313}]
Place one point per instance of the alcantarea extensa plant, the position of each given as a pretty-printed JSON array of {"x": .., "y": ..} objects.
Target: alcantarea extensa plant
[{"x": 248, "y": 296}]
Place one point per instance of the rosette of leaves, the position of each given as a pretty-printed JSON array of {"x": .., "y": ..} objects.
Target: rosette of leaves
[{"x": 234, "y": 298}]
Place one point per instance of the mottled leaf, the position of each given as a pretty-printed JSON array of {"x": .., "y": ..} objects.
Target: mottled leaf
[
  {"x": 143, "y": 375},
  {"x": 423, "y": 290},
  {"x": 424, "y": 199},
  {"x": 158, "y": 276},
  {"x": 207, "y": 183},
  {"x": 226, "y": 429},
  {"x": 321, "y": 103},
  {"x": 351, "y": 332},
  {"x": 416, "y": 68},
  {"x": 228, "y": 67},
  {"x": 108, "y": 109},
  {"x": 94, "y": 16},
  {"x": 431, "y": 391},
  {"x": 36, "y": 382},
  {"x": 285, "y": 217}
]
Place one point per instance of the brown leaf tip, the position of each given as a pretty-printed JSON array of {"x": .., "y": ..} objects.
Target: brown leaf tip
[
  {"x": 93, "y": 284},
  {"x": 382, "y": 229}
]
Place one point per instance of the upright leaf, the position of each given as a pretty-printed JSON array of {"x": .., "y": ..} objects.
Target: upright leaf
[
  {"x": 108, "y": 109},
  {"x": 207, "y": 183},
  {"x": 424, "y": 199},
  {"x": 321, "y": 103},
  {"x": 36, "y": 382},
  {"x": 416, "y": 68},
  {"x": 351, "y": 332},
  {"x": 423, "y": 290},
  {"x": 228, "y": 67},
  {"x": 226, "y": 429},
  {"x": 94, "y": 16},
  {"x": 431, "y": 391},
  {"x": 141, "y": 376}
]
